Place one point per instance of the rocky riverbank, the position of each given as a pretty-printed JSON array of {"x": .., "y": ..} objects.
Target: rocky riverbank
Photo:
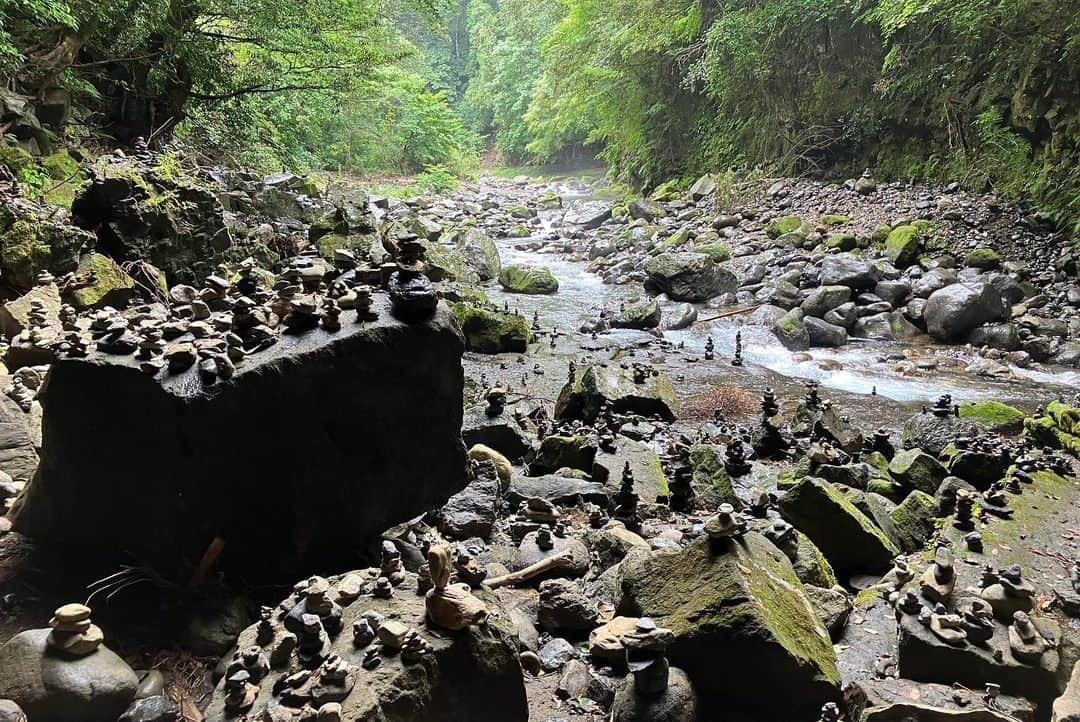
[{"x": 537, "y": 455}]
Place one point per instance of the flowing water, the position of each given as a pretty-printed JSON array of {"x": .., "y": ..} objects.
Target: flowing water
[{"x": 861, "y": 374}]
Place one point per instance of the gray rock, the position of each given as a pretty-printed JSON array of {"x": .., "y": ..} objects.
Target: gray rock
[
  {"x": 823, "y": 299},
  {"x": 151, "y": 709},
  {"x": 472, "y": 511},
  {"x": 825, "y": 334},
  {"x": 677, "y": 704},
  {"x": 792, "y": 331},
  {"x": 556, "y": 653},
  {"x": 563, "y": 607},
  {"x": 687, "y": 276},
  {"x": 94, "y": 688},
  {"x": 560, "y": 490},
  {"x": 680, "y": 317},
  {"x": 586, "y": 214},
  {"x": 844, "y": 269},
  {"x": 954, "y": 311},
  {"x": 502, "y": 432},
  {"x": 641, "y": 315}
]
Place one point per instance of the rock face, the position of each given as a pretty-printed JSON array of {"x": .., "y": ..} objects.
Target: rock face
[
  {"x": 138, "y": 214},
  {"x": 582, "y": 398},
  {"x": 954, "y": 311},
  {"x": 49, "y": 688},
  {"x": 741, "y": 600},
  {"x": 468, "y": 675},
  {"x": 313, "y": 445},
  {"x": 687, "y": 276}
]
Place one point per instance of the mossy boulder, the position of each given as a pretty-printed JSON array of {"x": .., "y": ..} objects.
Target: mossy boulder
[
  {"x": 848, "y": 539},
  {"x": 810, "y": 564},
  {"x": 913, "y": 521},
  {"x": 15, "y": 157},
  {"x": 489, "y": 331},
  {"x": 741, "y": 599},
  {"x": 31, "y": 242},
  {"x": 916, "y": 469},
  {"x": 717, "y": 251},
  {"x": 792, "y": 331},
  {"x": 880, "y": 234},
  {"x": 710, "y": 479},
  {"x": 903, "y": 245},
  {"x": 480, "y": 253},
  {"x": 984, "y": 259},
  {"x": 523, "y": 279},
  {"x": 842, "y": 242},
  {"x": 61, "y": 166},
  {"x": 994, "y": 415},
  {"x": 834, "y": 219},
  {"x": 592, "y": 386},
  {"x": 112, "y": 286},
  {"x": 783, "y": 225},
  {"x": 446, "y": 262}
]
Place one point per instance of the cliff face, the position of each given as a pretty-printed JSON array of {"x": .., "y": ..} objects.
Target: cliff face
[{"x": 313, "y": 447}]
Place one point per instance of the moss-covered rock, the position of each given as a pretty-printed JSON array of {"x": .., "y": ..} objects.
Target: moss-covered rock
[
  {"x": 993, "y": 415},
  {"x": 848, "y": 539},
  {"x": 913, "y": 521},
  {"x": 916, "y": 469},
  {"x": 30, "y": 244},
  {"x": 557, "y": 451},
  {"x": 593, "y": 386},
  {"x": 488, "y": 331},
  {"x": 810, "y": 564},
  {"x": 903, "y": 245},
  {"x": 710, "y": 479},
  {"x": 14, "y": 157},
  {"x": 111, "y": 286},
  {"x": 61, "y": 166},
  {"x": 783, "y": 225},
  {"x": 744, "y": 598},
  {"x": 523, "y": 279},
  {"x": 983, "y": 258},
  {"x": 641, "y": 315},
  {"x": 717, "y": 251},
  {"x": 880, "y": 234},
  {"x": 834, "y": 219},
  {"x": 842, "y": 241}
]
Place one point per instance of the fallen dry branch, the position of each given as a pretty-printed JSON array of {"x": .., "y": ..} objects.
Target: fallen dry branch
[{"x": 557, "y": 561}]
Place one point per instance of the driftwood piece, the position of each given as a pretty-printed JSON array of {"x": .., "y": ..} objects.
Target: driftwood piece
[{"x": 558, "y": 561}]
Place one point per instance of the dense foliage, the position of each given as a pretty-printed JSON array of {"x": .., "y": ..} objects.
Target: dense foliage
[{"x": 981, "y": 91}]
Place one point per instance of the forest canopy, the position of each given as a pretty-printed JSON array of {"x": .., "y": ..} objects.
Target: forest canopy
[{"x": 980, "y": 91}]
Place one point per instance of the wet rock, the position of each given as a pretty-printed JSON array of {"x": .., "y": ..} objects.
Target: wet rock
[
  {"x": 688, "y": 276},
  {"x": 792, "y": 331},
  {"x": 346, "y": 476},
  {"x": 956, "y": 310},
  {"x": 591, "y": 388},
  {"x": 741, "y": 596},
  {"x": 849, "y": 540},
  {"x": 557, "y": 452},
  {"x": 94, "y": 688},
  {"x": 824, "y": 334},
  {"x": 644, "y": 314}
]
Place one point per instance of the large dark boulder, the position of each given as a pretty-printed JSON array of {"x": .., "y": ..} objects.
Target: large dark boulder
[
  {"x": 313, "y": 447},
  {"x": 582, "y": 397},
  {"x": 739, "y": 599},
  {"x": 140, "y": 214}
]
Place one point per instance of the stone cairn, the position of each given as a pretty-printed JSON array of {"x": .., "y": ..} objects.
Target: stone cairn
[
  {"x": 450, "y": 606},
  {"x": 710, "y": 349},
  {"x": 736, "y": 360},
  {"x": 626, "y": 501},
  {"x": 73, "y": 633},
  {"x": 646, "y": 649}
]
